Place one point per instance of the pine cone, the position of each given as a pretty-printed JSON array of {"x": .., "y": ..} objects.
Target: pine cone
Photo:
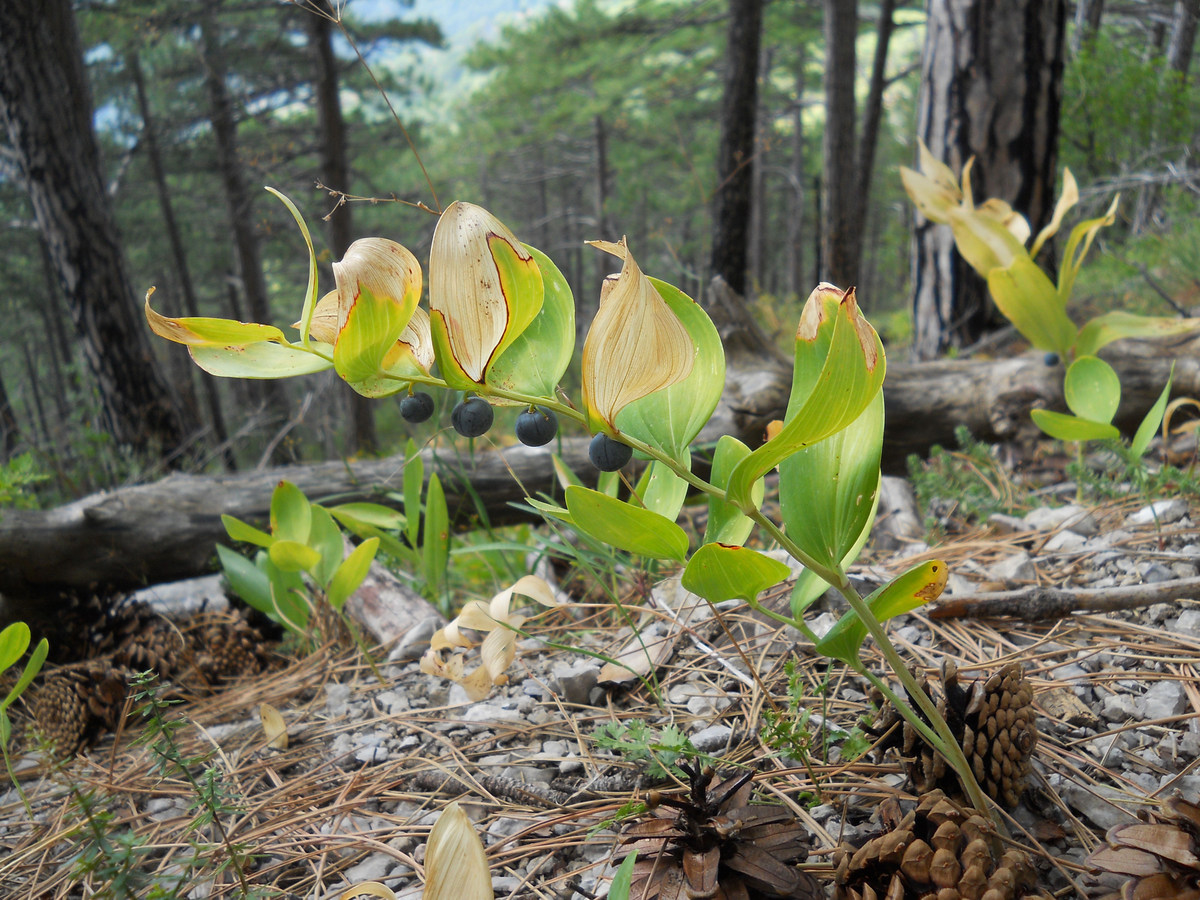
[
  {"x": 73, "y": 705},
  {"x": 225, "y": 646},
  {"x": 935, "y": 851},
  {"x": 715, "y": 845},
  {"x": 994, "y": 722},
  {"x": 1158, "y": 859}
]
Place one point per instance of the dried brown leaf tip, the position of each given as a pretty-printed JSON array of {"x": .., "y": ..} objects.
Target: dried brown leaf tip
[
  {"x": 994, "y": 721},
  {"x": 714, "y": 843},
  {"x": 1156, "y": 859},
  {"x": 934, "y": 850}
]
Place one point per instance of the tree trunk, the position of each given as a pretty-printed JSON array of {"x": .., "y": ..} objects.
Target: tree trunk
[
  {"x": 731, "y": 212},
  {"x": 239, "y": 203},
  {"x": 795, "y": 224},
  {"x": 335, "y": 173},
  {"x": 869, "y": 139},
  {"x": 1087, "y": 23},
  {"x": 10, "y": 431},
  {"x": 178, "y": 254},
  {"x": 991, "y": 87},
  {"x": 46, "y": 108},
  {"x": 1183, "y": 37},
  {"x": 841, "y": 245}
]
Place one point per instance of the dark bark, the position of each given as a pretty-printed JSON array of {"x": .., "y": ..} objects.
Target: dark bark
[
  {"x": 1088, "y": 14},
  {"x": 335, "y": 173},
  {"x": 795, "y": 222},
  {"x": 840, "y": 244},
  {"x": 239, "y": 203},
  {"x": 10, "y": 431},
  {"x": 731, "y": 212},
  {"x": 868, "y": 140},
  {"x": 1183, "y": 37},
  {"x": 46, "y": 109},
  {"x": 181, "y": 271},
  {"x": 991, "y": 87}
]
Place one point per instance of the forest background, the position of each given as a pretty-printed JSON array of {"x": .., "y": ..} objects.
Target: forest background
[{"x": 570, "y": 121}]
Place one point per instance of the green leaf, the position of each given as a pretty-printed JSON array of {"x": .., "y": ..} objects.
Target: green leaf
[
  {"x": 1070, "y": 428},
  {"x": 414, "y": 481},
  {"x": 719, "y": 572},
  {"x": 623, "y": 879},
  {"x": 264, "y": 360},
  {"x": 661, "y": 490},
  {"x": 310, "y": 292},
  {"x": 291, "y": 514},
  {"x": 1103, "y": 330},
  {"x": 726, "y": 523},
  {"x": 1077, "y": 247},
  {"x": 247, "y": 580},
  {"x": 369, "y": 514},
  {"x": 1149, "y": 425},
  {"x": 1028, "y": 299},
  {"x": 14, "y": 640},
  {"x": 535, "y": 362},
  {"x": 828, "y": 491},
  {"x": 292, "y": 556},
  {"x": 671, "y": 418},
  {"x": 626, "y": 527},
  {"x": 1092, "y": 389},
  {"x": 373, "y": 326},
  {"x": 32, "y": 667},
  {"x": 326, "y": 538},
  {"x": 289, "y": 599},
  {"x": 351, "y": 572},
  {"x": 524, "y": 294},
  {"x": 919, "y": 585},
  {"x": 240, "y": 531},
  {"x": 435, "y": 546},
  {"x": 839, "y": 368}
]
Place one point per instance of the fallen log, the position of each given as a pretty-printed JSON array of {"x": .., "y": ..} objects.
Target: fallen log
[{"x": 167, "y": 530}]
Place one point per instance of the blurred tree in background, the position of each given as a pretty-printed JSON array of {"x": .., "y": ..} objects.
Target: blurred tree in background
[{"x": 585, "y": 120}]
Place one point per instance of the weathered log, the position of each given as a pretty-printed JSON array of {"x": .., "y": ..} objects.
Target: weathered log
[{"x": 167, "y": 530}]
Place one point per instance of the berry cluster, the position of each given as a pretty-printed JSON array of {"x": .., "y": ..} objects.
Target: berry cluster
[{"x": 536, "y": 427}]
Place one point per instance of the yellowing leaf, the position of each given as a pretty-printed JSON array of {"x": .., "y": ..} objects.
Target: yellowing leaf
[
  {"x": 378, "y": 286},
  {"x": 274, "y": 728},
  {"x": 199, "y": 331},
  {"x": 636, "y": 345},
  {"x": 456, "y": 865},
  {"x": 485, "y": 289},
  {"x": 1068, "y": 198}
]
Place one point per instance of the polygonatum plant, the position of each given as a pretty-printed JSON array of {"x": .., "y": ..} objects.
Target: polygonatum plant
[
  {"x": 991, "y": 237},
  {"x": 501, "y": 325}
]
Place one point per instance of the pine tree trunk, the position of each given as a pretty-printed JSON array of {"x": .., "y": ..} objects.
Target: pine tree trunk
[
  {"x": 1183, "y": 36},
  {"x": 731, "y": 214},
  {"x": 335, "y": 173},
  {"x": 178, "y": 254},
  {"x": 991, "y": 87},
  {"x": 841, "y": 245},
  {"x": 46, "y": 109},
  {"x": 239, "y": 203},
  {"x": 10, "y": 431}
]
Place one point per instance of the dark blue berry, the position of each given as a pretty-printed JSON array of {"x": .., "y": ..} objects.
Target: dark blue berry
[
  {"x": 536, "y": 427},
  {"x": 1050, "y": 359},
  {"x": 472, "y": 418},
  {"x": 608, "y": 455},
  {"x": 416, "y": 407}
]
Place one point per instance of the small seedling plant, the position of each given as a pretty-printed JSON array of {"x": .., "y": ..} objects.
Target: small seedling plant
[
  {"x": 14, "y": 641},
  {"x": 500, "y": 327}
]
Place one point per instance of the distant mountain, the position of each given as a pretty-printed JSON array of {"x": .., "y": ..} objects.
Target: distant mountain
[{"x": 466, "y": 21}]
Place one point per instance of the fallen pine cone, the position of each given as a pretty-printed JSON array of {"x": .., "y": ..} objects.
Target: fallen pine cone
[
  {"x": 1157, "y": 860},
  {"x": 717, "y": 845},
  {"x": 936, "y": 851},
  {"x": 994, "y": 722},
  {"x": 71, "y": 706}
]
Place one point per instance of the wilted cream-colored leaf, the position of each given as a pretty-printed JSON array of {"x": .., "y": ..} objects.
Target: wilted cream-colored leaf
[
  {"x": 1017, "y": 224},
  {"x": 465, "y": 284},
  {"x": 498, "y": 650},
  {"x": 368, "y": 889},
  {"x": 456, "y": 865},
  {"x": 274, "y": 728},
  {"x": 635, "y": 346},
  {"x": 641, "y": 656},
  {"x": 324, "y": 325},
  {"x": 384, "y": 268}
]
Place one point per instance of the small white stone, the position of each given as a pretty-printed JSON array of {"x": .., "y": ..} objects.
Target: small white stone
[{"x": 1162, "y": 511}]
